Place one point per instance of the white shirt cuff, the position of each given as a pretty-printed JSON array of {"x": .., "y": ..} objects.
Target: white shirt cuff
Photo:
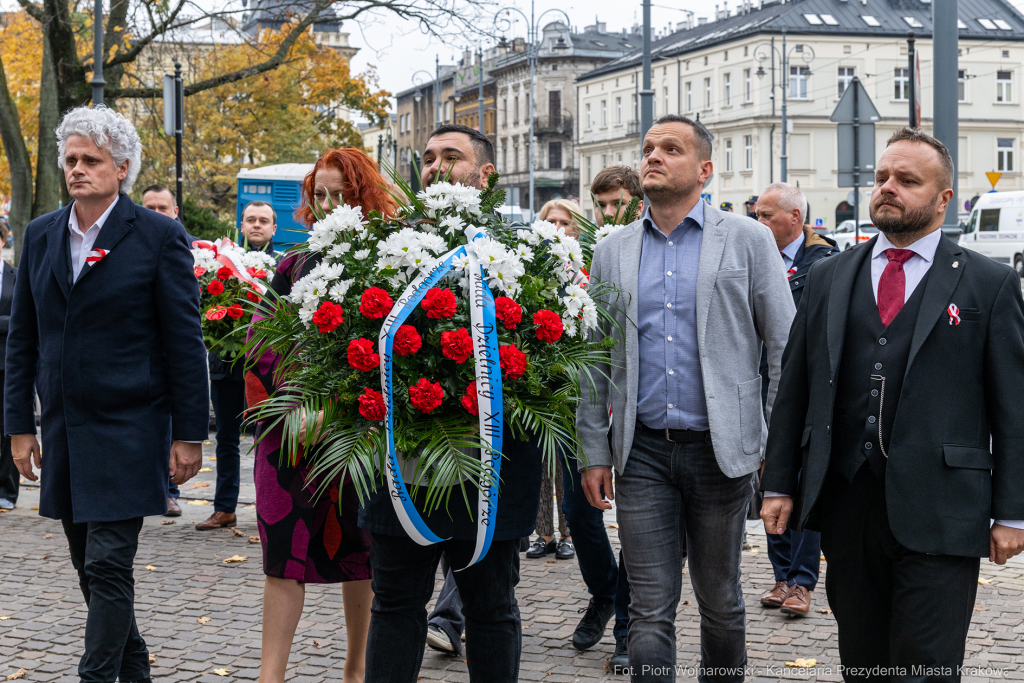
[
  {"x": 1012, "y": 523},
  {"x": 773, "y": 494}
]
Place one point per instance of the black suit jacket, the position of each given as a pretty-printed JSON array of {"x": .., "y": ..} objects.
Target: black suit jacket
[
  {"x": 114, "y": 358},
  {"x": 962, "y": 391},
  {"x": 10, "y": 274}
]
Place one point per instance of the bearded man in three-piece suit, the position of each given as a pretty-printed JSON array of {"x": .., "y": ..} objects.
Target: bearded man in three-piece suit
[
  {"x": 897, "y": 428},
  {"x": 105, "y": 326}
]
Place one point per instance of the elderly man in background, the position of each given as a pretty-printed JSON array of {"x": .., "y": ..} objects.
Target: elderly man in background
[
  {"x": 795, "y": 555},
  {"x": 124, "y": 404}
]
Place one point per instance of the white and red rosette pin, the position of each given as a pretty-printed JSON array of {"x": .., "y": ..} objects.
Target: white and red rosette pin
[
  {"x": 954, "y": 314},
  {"x": 96, "y": 255}
]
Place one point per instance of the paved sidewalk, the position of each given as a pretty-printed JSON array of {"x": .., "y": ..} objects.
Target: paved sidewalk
[{"x": 199, "y": 614}]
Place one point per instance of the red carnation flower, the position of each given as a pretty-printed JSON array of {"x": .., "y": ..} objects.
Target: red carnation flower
[
  {"x": 216, "y": 288},
  {"x": 199, "y": 271},
  {"x": 457, "y": 345},
  {"x": 513, "y": 362},
  {"x": 407, "y": 341},
  {"x": 549, "y": 325},
  {"x": 216, "y": 313},
  {"x": 328, "y": 317},
  {"x": 235, "y": 311},
  {"x": 508, "y": 311},
  {"x": 223, "y": 273},
  {"x": 361, "y": 355},
  {"x": 375, "y": 303},
  {"x": 252, "y": 296},
  {"x": 439, "y": 303},
  {"x": 469, "y": 399},
  {"x": 371, "y": 405},
  {"x": 426, "y": 395}
]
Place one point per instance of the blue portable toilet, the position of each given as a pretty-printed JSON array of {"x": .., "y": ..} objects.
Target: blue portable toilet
[{"x": 280, "y": 186}]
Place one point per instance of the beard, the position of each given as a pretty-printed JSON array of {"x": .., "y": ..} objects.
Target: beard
[
  {"x": 909, "y": 221},
  {"x": 664, "y": 187}
]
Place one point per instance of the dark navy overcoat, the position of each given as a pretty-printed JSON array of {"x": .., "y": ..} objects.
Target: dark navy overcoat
[{"x": 115, "y": 357}]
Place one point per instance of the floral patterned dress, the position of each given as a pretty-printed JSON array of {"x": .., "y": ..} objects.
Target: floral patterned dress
[{"x": 305, "y": 537}]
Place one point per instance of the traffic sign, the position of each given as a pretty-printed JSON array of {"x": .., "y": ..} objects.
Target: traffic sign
[
  {"x": 844, "y": 111},
  {"x": 993, "y": 178}
]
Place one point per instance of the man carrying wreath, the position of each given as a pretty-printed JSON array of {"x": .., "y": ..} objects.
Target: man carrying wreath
[{"x": 403, "y": 571}]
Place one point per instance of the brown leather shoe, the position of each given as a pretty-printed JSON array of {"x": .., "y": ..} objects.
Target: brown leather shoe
[
  {"x": 798, "y": 602},
  {"x": 776, "y": 596},
  {"x": 173, "y": 509},
  {"x": 217, "y": 520}
]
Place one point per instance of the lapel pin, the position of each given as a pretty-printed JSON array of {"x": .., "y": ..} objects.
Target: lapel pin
[
  {"x": 954, "y": 312},
  {"x": 95, "y": 256},
  {"x": 956, "y": 264}
]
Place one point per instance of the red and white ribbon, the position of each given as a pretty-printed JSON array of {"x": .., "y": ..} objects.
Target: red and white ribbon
[
  {"x": 224, "y": 252},
  {"x": 96, "y": 255},
  {"x": 954, "y": 314},
  {"x": 790, "y": 273}
]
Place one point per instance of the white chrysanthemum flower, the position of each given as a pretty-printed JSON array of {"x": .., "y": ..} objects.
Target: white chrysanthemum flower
[
  {"x": 528, "y": 236},
  {"x": 461, "y": 262},
  {"x": 205, "y": 258},
  {"x": 340, "y": 289},
  {"x": 589, "y": 316},
  {"x": 361, "y": 254},
  {"x": 256, "y": 259},
  {"x": 574, "y": 298},
  {"x": 433, "y": 243},
  {"x": 568, "y": 251},
  {"x": 524, "y": 253},
  {"x": 489, "y": 251},
  {"x": 569, "y": 324},
  {"x": 452, "y": 225},
  {"x": 545, "y": 231},
  {"x": 339, "y": 250},
  {"x": 605, "y": 231}
]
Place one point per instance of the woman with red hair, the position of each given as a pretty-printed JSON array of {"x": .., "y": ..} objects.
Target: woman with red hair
[{"x": 306, "y": 537}]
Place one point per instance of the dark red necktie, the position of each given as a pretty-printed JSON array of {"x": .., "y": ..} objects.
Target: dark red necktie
[{"x": 892, "y": 286}]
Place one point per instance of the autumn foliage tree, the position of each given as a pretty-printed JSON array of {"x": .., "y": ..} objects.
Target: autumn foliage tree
[{"x": 46, "y": 67}]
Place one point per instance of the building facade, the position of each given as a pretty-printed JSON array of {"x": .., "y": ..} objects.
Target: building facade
[
  {"x": 722, "y": 72},
  {"x": 563, "y": 55},
  {"x": 420, "y": 109}
]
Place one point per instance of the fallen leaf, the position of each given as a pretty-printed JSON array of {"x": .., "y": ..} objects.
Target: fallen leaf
[
  {"x": 254, "y": 539},
  {"x": 167, "y": 521},
  {"x": 237, "y": 533},
  {"x": 204, "y": 620},
  {"x": 755, "y": 549},
  {"x": 979, "y": 608},
  {"x": 825, "y": 611},
  {"x": 36, "y": 507},
  {"x": 152, "y": 659},
  {"x": 551, "y": 561},
  {"x": 46, "y": 557},
  {"x": 200, "y": 484},
  {"x": 4, "y": 618},
  {"x": 150, "y": 567},
  {"x": 48, "y": 536},
  {"x": 235, "y": 558},
  {"x": 222, "y": 672},
  {"x": 802, "y": 663},
  {"x": 207, "y": 443},
  {"x": 613, "y": 525},
  {"x": 3, "y": 510},
  {"x": 983, "y": 581},
  {"x": 205, "y": 469},
  {"x": 686, "y": 602},
  {"x": 16, "y": 675},
  {"x": 197, "y": 502},
  {"x": 249, "y": 507},
  {"x": 318, "y": 644},
  {"x": 212, "y": 458}
]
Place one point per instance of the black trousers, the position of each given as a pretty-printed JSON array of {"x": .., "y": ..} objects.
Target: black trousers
[
  {"x": 403, "y": 581},
  {"x": 228, "y": 396},
  {"x": 9, "y": 476},
  {"x": 901, "y": 614},
  {"x": 103, "y": 553}
]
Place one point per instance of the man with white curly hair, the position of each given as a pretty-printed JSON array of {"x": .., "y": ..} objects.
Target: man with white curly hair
[{"x": 105, "y": 326}]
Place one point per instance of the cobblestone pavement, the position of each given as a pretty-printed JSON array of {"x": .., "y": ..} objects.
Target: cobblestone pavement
[{"x": 199, "y": 614}]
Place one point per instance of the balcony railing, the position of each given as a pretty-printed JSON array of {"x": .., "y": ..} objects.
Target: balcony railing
[
  {"x": 633, "y": 128},
  {"x": 553, "y": 125}
]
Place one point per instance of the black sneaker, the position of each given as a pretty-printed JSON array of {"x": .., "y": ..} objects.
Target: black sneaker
[
  {"x": 590, "y": 630},
  {"x": 439, "y": 640},
  {"x": 539, "y": 548},
  {"x": 619, "y": 661},
  {"x": 565, "y": 550}
]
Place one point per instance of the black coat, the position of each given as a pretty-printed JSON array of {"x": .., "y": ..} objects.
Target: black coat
[
  {"x": 114, "y": 358},
  {"x": 10, "y": 276},
  {"x": 962, "y": 391}
]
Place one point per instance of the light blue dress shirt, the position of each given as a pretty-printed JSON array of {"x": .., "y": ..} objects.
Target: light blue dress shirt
[
  {"x": 789, "y": 253},
  {"x": 670, "y": 393}
]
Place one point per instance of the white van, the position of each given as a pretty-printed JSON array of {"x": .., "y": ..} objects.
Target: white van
[{"x": 996, "y": 228}]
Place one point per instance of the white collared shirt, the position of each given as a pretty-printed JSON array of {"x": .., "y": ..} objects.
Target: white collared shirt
[
  {"x": 82, "y": 242},
  {"x": 789, "y": 253},
  {"x": 914, "y": 269}
]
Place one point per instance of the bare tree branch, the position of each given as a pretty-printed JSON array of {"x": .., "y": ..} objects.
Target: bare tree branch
[
  {"x": 35, "y": 11},
  {"x": 140, "y": 44}
]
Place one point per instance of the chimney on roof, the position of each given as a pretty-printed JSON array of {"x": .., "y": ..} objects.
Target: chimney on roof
[{"x": 701, "y": 21}]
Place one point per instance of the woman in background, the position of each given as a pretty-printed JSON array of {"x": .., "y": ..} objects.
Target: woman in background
[
  {"x": 306, "y": 538},
  {"x": 559, "y": 212}
]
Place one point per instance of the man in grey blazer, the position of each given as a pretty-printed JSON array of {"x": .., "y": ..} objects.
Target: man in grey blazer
[{"x": 699, "y": 291}]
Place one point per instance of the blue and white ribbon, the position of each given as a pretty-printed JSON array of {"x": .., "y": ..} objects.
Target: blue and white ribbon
[{"x": 488, "y": 392}]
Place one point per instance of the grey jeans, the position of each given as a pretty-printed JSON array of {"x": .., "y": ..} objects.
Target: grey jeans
[{"x": 670, "y": 492}]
